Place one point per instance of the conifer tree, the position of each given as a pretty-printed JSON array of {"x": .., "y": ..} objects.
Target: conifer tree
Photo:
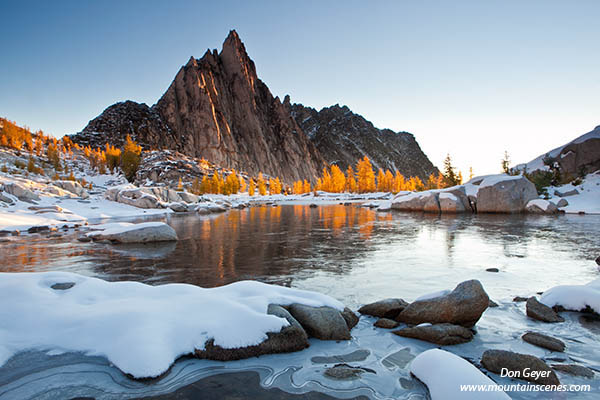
[
  {"x": 262, "y": 185},
  {"x": 351, "y": 185},
  {"x": 306, "y": 188},
  {"x": 251, "y": 187},
  {"x": 399, "y": 182},
  {"x": 450, "y": 176},
  {"x": 506, "y": 163},
  {"x": 366, "y": 176},
  {"x": 130, "y": 158},
  {"x": 338, "y": 180}
]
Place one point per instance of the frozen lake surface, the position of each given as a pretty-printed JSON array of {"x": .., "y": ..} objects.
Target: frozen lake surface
[{"x": 356, "y": 255}]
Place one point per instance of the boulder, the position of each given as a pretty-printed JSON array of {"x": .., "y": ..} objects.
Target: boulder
[
  {"x": 520, "y": 366},
  {"x": 72, "y": 187},
  {"x": 541, "y": 206},
  {"x": 505, "y": 194},
  {"x": 323, "y": 323},
  {"x": 188, "y": 197},
  {"x": 572, "y": 369},
  {"x": 410, "y": 202},
  {"x": 386, "y": 323},
  {"x": 138, "y": 233},
  {"x": 21, "y": 192},
  {"x": 541, "y": 312},
  {"x": 442, "y": 334},
  {"x": 572, "y": 192},
  {"x": 290, "y": 338},
  {"x": 544, "y": 341},
  {"x": 178, "y": 207},
  {"x": 562, "y": 203},
  {"x": 137, "y": 198},
  {"x": 387, "y": 308},
  {"x": 463, "y": 306},
  {"x": 432, "y": 203},
  {"x": 449, "y": 203},
  {"x": 6, "y": 199},
  {"x": 350, "y": 317}
]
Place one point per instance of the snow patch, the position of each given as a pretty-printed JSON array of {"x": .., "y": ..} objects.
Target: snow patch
[
  {"x": 141, "y": 329},
  {"x": 444, "y": 373}
]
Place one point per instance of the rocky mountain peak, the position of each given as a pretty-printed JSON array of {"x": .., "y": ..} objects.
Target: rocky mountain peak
[{"x": 236, "y": 60}]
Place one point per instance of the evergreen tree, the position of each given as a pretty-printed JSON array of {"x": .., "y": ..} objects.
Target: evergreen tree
[
  {"x": 130, "y": 158},
  {"x": 450, "y": 176},
  {"x": 366, "y": 176},
  {"x": 505, "y": 163},
  {"x": 338, "y": 180},
  {"x": 351, "y": 185},
  {"x": 262, "y": 185},
  {"x": 470, "y": 173}
]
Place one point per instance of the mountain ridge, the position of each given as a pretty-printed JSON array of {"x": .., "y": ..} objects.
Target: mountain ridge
[{"x": 217, "y": 108}]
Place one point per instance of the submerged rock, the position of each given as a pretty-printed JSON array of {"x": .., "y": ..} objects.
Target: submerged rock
[
  {"x": 358, "y": 355},
  {"x": 544, "y": 341},
  {"x": 442, "y": 334},
  {"x": 386, "y": 323},
  {"x": 323, "y": 323},
  {"x": 572, "y": 369},
  {"x": 520, "y": 366},
  {"x": 141, "y": 233},
  {"x": 387, "y": 308},
  {"x": 541, "y": 312},
  {"x": 62, "y": 285},
  {"x": 463, "y": 306},
  {"x": 346, "y": 372},
  {"x": 290, "y": 338}
]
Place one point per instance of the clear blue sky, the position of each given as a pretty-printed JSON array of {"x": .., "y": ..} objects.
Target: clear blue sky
[{"x": 472, "y": 78}]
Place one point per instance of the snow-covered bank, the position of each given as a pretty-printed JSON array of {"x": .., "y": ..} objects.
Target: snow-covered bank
[{"x": 142, "y": 329}]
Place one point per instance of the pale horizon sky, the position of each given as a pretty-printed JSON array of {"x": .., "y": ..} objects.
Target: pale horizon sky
[{"x": 469, "y": 78}]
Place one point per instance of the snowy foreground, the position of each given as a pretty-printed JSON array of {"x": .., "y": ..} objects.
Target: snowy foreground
[{"x": 141, "y": 329}]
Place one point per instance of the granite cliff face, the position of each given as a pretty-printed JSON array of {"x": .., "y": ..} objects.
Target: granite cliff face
[
  {"x": 343, "y": 137},
  {"x": 218, "y": 109}
]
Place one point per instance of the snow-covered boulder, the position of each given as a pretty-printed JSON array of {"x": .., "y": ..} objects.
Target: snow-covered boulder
[
  {"x": 141, "y": 329},
  {"x": 449, "y": 203},
  {"x": 504, "y": 194},
  {"x": 288, "y": 339},
  {"x": 541, "y": 206},
  {"x": 420, "y": 201},
  {"x": 73, "y": 187},
  {"x": 463, "y": 306},
  {"x": 21, "y": 192},
  {"x": 124, "y": 232},
  {"x": 574, "y": 297},
  {"x": 445, "y": 373}
]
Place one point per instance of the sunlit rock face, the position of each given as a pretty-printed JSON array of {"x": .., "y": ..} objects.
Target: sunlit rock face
[
  {"x": 344, "y": 137},
  {"x": 218, "y": 109}
]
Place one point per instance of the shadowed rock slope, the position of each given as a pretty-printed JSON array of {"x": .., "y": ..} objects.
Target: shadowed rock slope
[{"x": 344, "y": 137}]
